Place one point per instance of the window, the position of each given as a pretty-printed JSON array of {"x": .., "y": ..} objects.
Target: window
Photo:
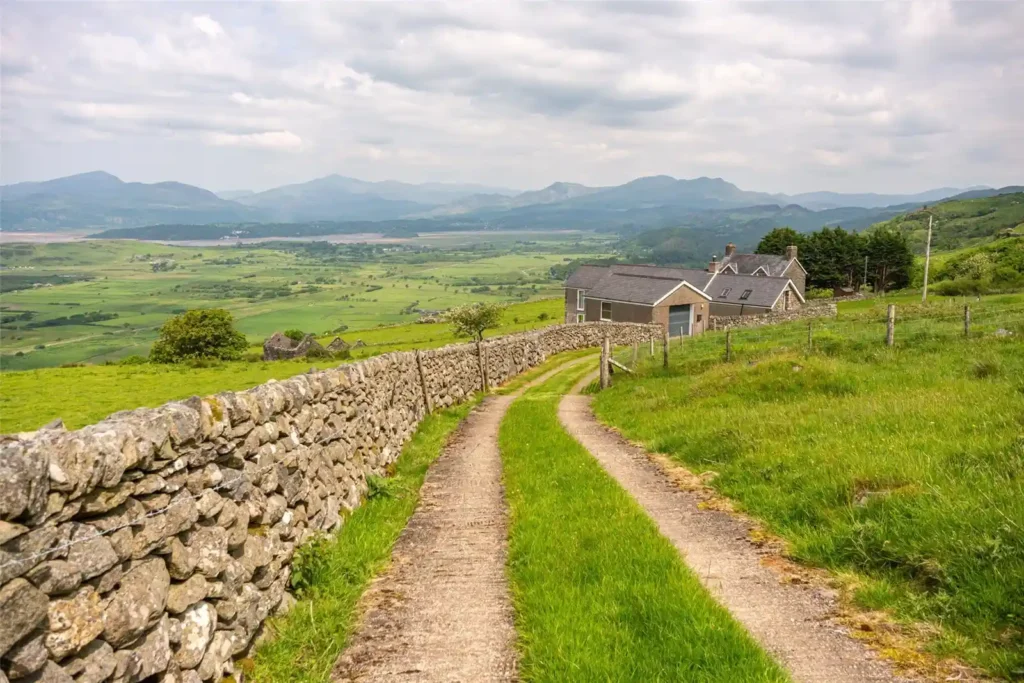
[
  {"x": 606, "y": 310},
  {"x": 580, "y": 298},
  {"x": 725, "y": 292},
  {"x": 580, "y": 317},
  {"x": 746, "y": 294}
]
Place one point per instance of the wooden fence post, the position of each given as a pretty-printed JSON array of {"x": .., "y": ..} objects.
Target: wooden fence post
[
  {"x": 423, "y": 383},
  {"x": 636, "y": 352},
  {"x": 728, "y": 344},
  {"x": 967, "y": 321},
  {"x": 890, "y": 325},
  {"x": 483, "y": 366},
  {"x": 664, "y": 347},
  {"x": 652, "y": 344},
  {"x": 605, "y": 355},
  {"x": 810, "y": 337}
]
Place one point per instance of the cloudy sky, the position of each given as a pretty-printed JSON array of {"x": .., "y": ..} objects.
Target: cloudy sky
[{"x": 772, "y": 96}]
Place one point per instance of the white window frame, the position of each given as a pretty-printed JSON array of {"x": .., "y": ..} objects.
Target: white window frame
[
  {"x": 581, "y": 297},
  {"x": 609, "y": 318},
  {"x": 580, "y": 317}
]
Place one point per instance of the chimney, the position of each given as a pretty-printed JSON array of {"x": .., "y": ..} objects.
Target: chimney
[
  {"x": 791, "y": 252},
  {"x": 713, "y": 266},
  {"x": 730, "y": 249}
]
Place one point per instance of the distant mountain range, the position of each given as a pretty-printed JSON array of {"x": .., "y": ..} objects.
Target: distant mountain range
[{"x": 101, "y": 201}]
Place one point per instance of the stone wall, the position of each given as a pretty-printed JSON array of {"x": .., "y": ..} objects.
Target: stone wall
[
  {"x": 155, "y": 543},
  {"x": 812, "y": 309}
]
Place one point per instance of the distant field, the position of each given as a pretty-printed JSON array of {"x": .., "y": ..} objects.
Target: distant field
[
  {"x": 113, "y": 301},
  {"x": 902, "y": 470},
  {"x": 83, "y": 395}
]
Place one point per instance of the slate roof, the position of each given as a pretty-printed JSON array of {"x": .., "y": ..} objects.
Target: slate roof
[
  {"x": 697, "y": 278},
  {"x": 764, "y": 291},
  {"x": 746, "y": 264},
  {"x": 634, "y": 289},
  {"x": 586, "y": 276}
]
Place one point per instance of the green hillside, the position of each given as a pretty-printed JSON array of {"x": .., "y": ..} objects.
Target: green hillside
[{"x": 962, "y": 222}]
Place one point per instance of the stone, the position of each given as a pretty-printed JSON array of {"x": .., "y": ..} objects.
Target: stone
[
  {"x": 154, "y": 651},
  {"x": 24, "y": 481},
  {"x": 198, "y": 625},
  {"x": 47, "y": 542},
  {"x": 138, "y": 603},
  {"x": 55, "y": 577},
  {"x": 95, "y": 663},
  {"x": 103, "y": 500},
  {"x": 182, "y": 595},
  {"x": 210, "y": 544},
  {"x": 180, "y": 515},
  {"x": 209, "y": 504},
  {"x": 91, "y": 554},
  {"x": 127, "y": 666},
  {"x": 75, "y": 621},
  {"x": 108, "y": 582},
  {"x": 23, "y": 607},
  {"x": 217, "y": 655},
  {"x": 50, "y": 673},
  {"x": 9, "y": 531},
  {"x": 27, "y": 657},
  {"x": 181, "y": 561},
  {"x": 256, "y": 553}
]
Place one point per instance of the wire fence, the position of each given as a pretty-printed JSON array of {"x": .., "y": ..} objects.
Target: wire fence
[{"x": 913, "y": 325}]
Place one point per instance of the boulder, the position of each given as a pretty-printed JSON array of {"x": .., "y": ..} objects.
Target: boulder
[
  {"x": 23, "y": 607},
  {"x": 27, "y": 657},
  {"x": 198, "y": 624},
  {"x": 75, "y": 621},
  {"x": 138, "y": 603}
]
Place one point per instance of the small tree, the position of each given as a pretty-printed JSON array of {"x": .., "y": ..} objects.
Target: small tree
[
  {"x": 201, "y": 333},
  {"x": 295, "y": 335},
  {"x": 472, "y": 320}
]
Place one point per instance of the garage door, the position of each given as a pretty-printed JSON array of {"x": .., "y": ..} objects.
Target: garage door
[{"x": 679, "y": 320}]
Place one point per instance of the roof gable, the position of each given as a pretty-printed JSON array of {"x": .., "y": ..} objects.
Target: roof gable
[{"x": 748, "y": 290}]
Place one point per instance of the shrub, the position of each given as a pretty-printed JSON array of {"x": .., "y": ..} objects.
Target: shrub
[
  {"x": 134, "y": 359},
  {"x": 818, "y": 293},
  {"x": 253, "y": 357},
  {"x": 317, "y": 352},
  {"x": 199, "y": 334},
  {"x": 296, "y": 335},
  {"x": 471, "y": 321},
  {"x": 543, "y": 316}
]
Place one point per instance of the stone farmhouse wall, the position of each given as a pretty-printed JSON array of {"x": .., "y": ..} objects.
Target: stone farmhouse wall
[
  {"x": 812, "y": 309},
  {"x": 154, "y": 544}
]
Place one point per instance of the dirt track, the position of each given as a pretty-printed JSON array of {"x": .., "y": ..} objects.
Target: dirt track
[{"x": 792, "y": 622}]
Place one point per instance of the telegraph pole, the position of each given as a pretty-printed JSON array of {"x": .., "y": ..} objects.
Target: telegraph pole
[{"x": 927, "y": 260}]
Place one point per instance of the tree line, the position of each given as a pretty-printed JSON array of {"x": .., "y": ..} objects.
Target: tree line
[{"x": 834, "y": 257}]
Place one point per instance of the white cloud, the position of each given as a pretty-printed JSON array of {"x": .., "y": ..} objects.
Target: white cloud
[
  {"x": 775, "y": 96},
  {"x": 207, "y": 25},
  {"x": 283, "y": 140}
]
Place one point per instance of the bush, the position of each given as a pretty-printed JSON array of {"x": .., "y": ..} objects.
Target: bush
[
  {"x": 253, "y": 357},
  {"x": 818, "y": 293},
  {"x": 199, "y": 334},
  {"x": 134, "y": 359},
  {"x": 317, "y": 352},
  {"x": 543, "y": 316},
  {"x": 296, "y": 335}
]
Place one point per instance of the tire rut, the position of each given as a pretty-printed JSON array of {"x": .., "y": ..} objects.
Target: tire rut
[{"x": 794, "y": 623}]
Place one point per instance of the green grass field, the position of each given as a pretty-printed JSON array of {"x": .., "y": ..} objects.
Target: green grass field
[
  {"x": 599, "y": 594},
  {"x": 83, "y": 395},
  {"x": 902, "y": 469},
  {"x": 268, "y": 288}
]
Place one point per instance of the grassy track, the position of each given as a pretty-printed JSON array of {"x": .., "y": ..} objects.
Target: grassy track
[
  {"x": 306, "y": 641},
  {"x": 599, "y": 594},
  {"x": 904, "y": 467}
]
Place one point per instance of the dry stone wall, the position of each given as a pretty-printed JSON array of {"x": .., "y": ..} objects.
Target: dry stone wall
[
  {"x": 812, "y": 309},
  {"x": 154, "y": 544}
]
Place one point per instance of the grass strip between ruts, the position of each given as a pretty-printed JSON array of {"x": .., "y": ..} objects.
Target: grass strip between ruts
[
  {"x": 305, "y": 643},
  {"x": 599, "y": 594}
]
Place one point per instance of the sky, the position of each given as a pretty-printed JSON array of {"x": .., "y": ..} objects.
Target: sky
[{"x": 779, "y": 97}]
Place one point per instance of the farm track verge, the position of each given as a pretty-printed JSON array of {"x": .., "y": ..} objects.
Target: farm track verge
[
  {"x": 442, "y": 611},
  {"x": 792, "y": 622}
]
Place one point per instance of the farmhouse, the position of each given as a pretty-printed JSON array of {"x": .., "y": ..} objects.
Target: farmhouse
[{"x": 683, "y": 299}]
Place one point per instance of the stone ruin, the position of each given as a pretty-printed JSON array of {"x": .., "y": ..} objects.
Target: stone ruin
[
  {"x": 280, "y": 347},
  {"x": 154, "y": 544}
]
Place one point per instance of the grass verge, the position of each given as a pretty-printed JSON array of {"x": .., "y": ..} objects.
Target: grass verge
[
  {"x": 599, "y": 594},
  {"x": 305, "y": 643},
  {"x": 901, "y": 470}
]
